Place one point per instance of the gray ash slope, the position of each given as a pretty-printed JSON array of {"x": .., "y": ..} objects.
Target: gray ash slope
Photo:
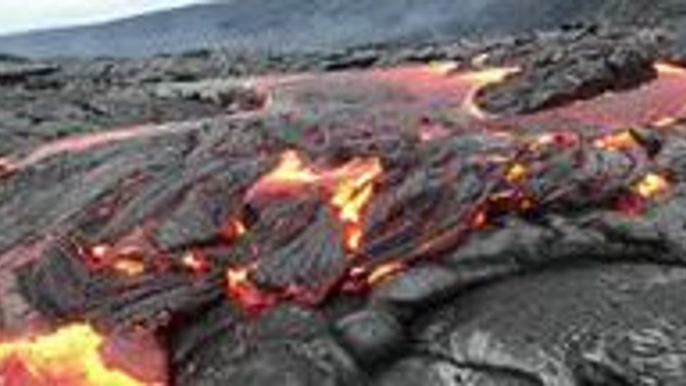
[{"x": 304, "y": 25}]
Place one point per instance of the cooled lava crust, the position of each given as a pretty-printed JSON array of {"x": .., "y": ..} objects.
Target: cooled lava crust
[{"x": 375, "y": 226}]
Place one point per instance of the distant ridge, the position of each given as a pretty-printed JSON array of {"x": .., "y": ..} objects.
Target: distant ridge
[{"x": 299, "y": 25}]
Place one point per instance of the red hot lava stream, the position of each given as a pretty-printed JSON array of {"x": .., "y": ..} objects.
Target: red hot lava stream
[
  {"x": 72, "y": 355},
  {"x": 439, "y": 85},
  {"x": 346, "y": 189}
]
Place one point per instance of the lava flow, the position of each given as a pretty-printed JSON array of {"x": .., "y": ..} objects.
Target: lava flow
[
  {"x": 658, "y": 103},
  {"x": 71, "y": 356},
  {"x": 652, "y": 186},
  {"x": 315, "y": 226},
  {"x": 443, "y": 85},
  {"x": 348, "y": 188}
]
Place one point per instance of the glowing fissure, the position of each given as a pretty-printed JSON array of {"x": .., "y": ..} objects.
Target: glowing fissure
[{"x": 347, "y": 189}]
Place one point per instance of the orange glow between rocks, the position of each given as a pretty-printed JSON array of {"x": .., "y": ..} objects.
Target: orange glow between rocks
[
  {"x": 291, "y": 173},
  {"x": 240, "y": 228},
  {"x": 516, "y": 173},
  {"x": 560, "y": 139},
  {"x": 480, "y": 220},
  {"x": 664, "y": 68},
  {"x": 444, "y": 67},
  {"x": 652, "y": 186},
  {"x": 384, "y": 272},
  {"x": 131, "y": 266},
  {"x": 195, "y": 262},
  {"x": 68, "y": 357},
  {"x": 478, "y": 80},
  {"x": 234, "y": 229},
  {"x": 665, "y": 122},
  {"x": 622, "y": 140},
  {"x": 240, "y": 288},
  {"x": 126, "y": 261},
  {"x": 99, "y": 251},
  {"x": 348, "y": 188},
  {"x": 489, "y": 76},
  {"x": 351, "y": 195}
]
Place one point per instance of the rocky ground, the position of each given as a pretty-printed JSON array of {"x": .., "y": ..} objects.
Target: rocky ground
[
  {"x": 49, "y": 99},
  {"x": 571, "y": 291}
]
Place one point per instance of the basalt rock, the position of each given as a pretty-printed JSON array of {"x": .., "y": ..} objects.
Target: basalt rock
[
  {"x": 596, "y": 62},
  {"x": 370, "y": 227}
]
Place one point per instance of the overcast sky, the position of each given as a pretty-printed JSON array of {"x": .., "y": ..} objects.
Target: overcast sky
[{"x": 23, "y": 15}]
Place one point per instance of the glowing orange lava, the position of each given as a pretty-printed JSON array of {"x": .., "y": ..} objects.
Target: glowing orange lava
[
  {"x": 478, "y": 80},
  {"x": 240, "y": 288},
  {"x": 480, "y": 220},
  {"x": 291, "y": 170},
  {"x": 657, "y": 103},
  {"x": 516, "y": 173},
  {"x": 72, "y": 356},
  {"x": 129, "y": 265},
  {"x": 234, "y": 229},
  {"x": 128, "y": 261},
  {"x": 489, "y": 76},
  {"x": 622, "y": 140},
  {"x": 444, "y": 67},
  {"x": 68, "y": 357},
  {"x": 348, "y": 188},
  {"x": 81, "y": 143},
  {"x": 664, "y": 68},
  {"x": 195, "y": 262},
  {"x": 383, "y": 272},
  {"x": 651, "y": 186},
  {"x": 351, "y": 195},
  {"x": 561, "y": 139}
]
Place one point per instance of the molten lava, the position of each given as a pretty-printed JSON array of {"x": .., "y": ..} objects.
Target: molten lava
[
  {"x": 127, "y": 261},
  {"x": 130, "y": 265},
  {"x": 665, "y": 68},
  {"x": 195, "y": 262},
  {"x": 351, "y": 194},
  {"x": 70, "y": 356},
  {"x": 383, "y": 272},
  {"x": 444, "y": 67},
  {"x": 347, "y": 189},
  {"x": 240, "y": 288},
  {"x": 623, "y": 140},
  {"x": 651, "y": 186},
  {"x": 290, "y": 173},
  {"x": 477, "y": 81},
  {"x": 516, "y": 173},
  {"x": 85, "y": 142},
  {"x": 559, "y": 140}
]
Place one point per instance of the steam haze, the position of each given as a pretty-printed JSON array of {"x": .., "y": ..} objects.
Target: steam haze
[
  {"x": 268, "y": 25},
  {"x": 21, "y": 16}
]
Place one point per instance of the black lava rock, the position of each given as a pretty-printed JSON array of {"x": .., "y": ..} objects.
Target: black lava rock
[{"x": 371, "y": 335}]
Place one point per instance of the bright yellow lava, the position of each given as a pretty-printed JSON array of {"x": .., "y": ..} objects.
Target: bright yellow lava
[{"x": 68, "y": 357}]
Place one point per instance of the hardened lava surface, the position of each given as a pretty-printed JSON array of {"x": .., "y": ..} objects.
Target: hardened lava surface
[{"x": 363, "y": 227}]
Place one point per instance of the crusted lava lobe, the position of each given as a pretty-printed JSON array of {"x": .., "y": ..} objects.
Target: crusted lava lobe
[{"x": 595, "y": 61}]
